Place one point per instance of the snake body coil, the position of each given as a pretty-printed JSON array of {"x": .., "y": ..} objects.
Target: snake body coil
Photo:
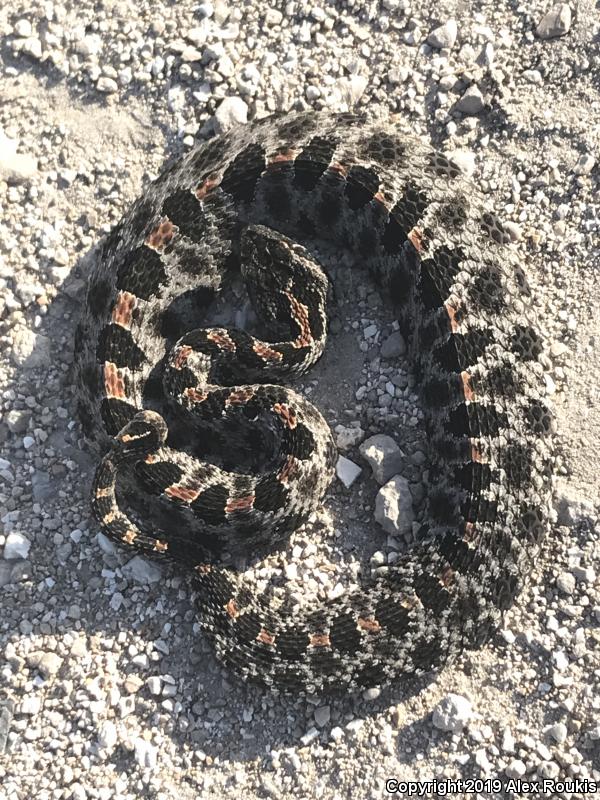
[{"x": 262, "y": 196}]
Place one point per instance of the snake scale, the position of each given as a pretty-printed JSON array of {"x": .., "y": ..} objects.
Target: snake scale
[{"x": 171, "y": 411}]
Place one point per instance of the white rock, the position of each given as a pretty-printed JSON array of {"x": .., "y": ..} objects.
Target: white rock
[
  {"x": 32, "y": 47},
  {"x": 29, "y": 348},
  {"x": 508, "y": 741},
  {"x": 352, "y": 89},
  {"x": 107, "y": 85},
  {"x": 555, "y": 23},
  {"x": 89, "y": 45},
  {"x": 197, "y": 35},
  {"x": 141, "y": 570},
  {"x": 393, "y": 507},
  {"x": 566, "y": 582},
  {"x": 190, "y": 54},
  {"x": 310, "y": 735},
  {"x": 145, "y": 753},
  {"x": 516, "y": 769},
  {"x": 444, "y": 36},
  {"x": 16, "y": 546},
  {"x": 383, "y": 456},
  {"x": 23, "y": 28},
  {"x": 585, "y": 164},
  {"x": 346, "y": 438},
  {"x": 107, "y": 735},
  {"x": 337, "y": 734},
  {"x": 452, "y": 713},
  {"x": 31, "y": 705},
  {"x": 273, "y": 17},
  {"x": 347, "y": 471},
  {"x": 232, "y": 111},
  {"x": 464, "y": 160},
  {"x": 15, "y": 167}
]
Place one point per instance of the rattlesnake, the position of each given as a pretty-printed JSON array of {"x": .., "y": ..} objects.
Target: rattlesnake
[{"x": 263, "y": 195}]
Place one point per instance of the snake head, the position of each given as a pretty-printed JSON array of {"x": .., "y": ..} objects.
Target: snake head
[{"x": 146, "y": 432}]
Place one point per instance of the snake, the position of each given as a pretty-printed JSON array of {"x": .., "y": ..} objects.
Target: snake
[{"x": 204, "y": 452}]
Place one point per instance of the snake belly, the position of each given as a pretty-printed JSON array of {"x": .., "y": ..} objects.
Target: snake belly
[{"x": 407, "y": 215}]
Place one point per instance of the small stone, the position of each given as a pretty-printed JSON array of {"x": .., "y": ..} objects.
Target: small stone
[
  {"x": 555, "y": 23},
  {"x": 548, "y": 770},
  {"x": 107, "y": 735},
  {"x": 17, "y": 420},
  {"x": 16, "y": 546},
  {"x": 336, "y": 734},
  {"x": 516, "y": 769},
  {"x": 232, "y": 111},
  {"x": 558, "y": 732},
  {"x": 322, "y": 715},
  {"x": 561, "y": 662},
  {"x": 154, "y": 685},
  {"x": 347, "y": 471},
  {"x": 464, "y": 160},
  {"x": 345, "y": 438},
  {"x": 452, "y": 713},
  {"x": 107, "y": 85},
  {"x": 566, "y": 582},
  {"x": 508, "y": 741},
  {"x": 190, "y": 54},
  {"x": 383, "y": 456},
  {"x": 32, "y": 47},
  {"x": 141, "y": 570},
  {"x": 15, "y": 167},
  {"x": 309, "y": 736},
  {"x": 393, "y": 346},
  {"x": 444, "y": 36},
  {"x": 585, "y": 164},
  {"x": 372, "y": 693},
  {"x": 393, "y": 507},
  {"x": 471, "y": 103},
  {"x": 23, "y": 28},
  {"x": 31, "y": 705},
  {"x": 273, "y": 17},
  {"x": 88, "y": 46},
  {"x": 353, "y": 88},
  {"x": 584, "y": 574},
  {"x": 145, "y": 753},
  {"x": 513, "y": 230},
  {"x": 47, "y": 664}
]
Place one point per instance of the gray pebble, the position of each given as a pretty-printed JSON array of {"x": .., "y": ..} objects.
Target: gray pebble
[
  {"x": 555, "y": 23},
  {"x": 394, "y": 506},
  {"x": 444, "y": 36},
  {"x": 393, "y": 346},
  {"x": 471, "y": 103},
  {"x": 142, "y": 570},
  {"x": 383, "y": 456},
  {"x": 585, "y": 164}
]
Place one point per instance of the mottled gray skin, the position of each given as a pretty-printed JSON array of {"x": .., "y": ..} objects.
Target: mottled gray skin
[{"x": 406, "y": 214}]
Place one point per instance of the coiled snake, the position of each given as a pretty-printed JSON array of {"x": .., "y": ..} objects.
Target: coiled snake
[{"x": 258, "y": 198}]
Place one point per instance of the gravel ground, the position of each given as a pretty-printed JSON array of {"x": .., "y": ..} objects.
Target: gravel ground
[{"x": 107, "y": 689}]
